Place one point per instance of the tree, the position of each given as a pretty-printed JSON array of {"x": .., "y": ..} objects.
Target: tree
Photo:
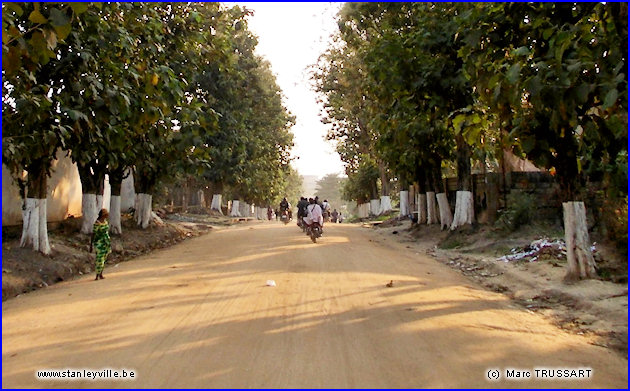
[
  {"x": 559, "y": 70},
  {"x": 33, "y": 48},
  {"x": 330, "y": 188}
]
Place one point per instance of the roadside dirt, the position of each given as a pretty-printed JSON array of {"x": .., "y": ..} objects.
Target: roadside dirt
[
  {"x": 202, "y": 314},
  {"x": 24, "y": 270},
  {"x": 597, "y": 308}
]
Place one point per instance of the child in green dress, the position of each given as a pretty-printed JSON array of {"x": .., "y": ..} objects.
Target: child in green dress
[{"x": 101, "y": 241}]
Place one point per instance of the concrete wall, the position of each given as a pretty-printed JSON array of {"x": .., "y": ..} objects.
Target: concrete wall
[{"x": 64, "y": 193}]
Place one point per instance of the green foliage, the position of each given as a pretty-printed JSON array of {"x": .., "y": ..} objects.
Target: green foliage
[
  {"x": 171, "y": 89},
  {"x": 614, "y": 215},
  {"x": 361, "y": 186},
  {"x": 555, "y": 73},
  {"x": 330, "y": 188},
  {"x": 520, "y": 211}
]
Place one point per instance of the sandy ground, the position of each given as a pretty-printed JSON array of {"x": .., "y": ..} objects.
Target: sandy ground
[{"x": 199, "y": 315}]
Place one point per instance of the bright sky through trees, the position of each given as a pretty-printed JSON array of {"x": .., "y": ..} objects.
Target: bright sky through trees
[{"x": 291, "y": 37}]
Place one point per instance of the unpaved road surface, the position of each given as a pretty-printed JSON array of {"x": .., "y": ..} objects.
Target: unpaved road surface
[{"x": 199, "y": 315}]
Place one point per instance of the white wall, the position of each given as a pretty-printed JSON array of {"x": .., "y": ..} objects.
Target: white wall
[{"x": 64, "y": 193}]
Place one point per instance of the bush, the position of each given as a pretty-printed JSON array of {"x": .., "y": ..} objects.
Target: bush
[
  {"x": 614, "y": 216},
  {"x": 521, "y": 209}
]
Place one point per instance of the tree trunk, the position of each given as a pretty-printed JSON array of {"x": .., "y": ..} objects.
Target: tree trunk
[
  {"x": 235, "y": 209},
  {"x": 34, "y": 217},
  {"x": 90, "y": 212},
  {"x": 464, "y": 213},
  {"x": 464, "y": 210},
  {"x": 446, "y": 218},
  {"x": 216, "y": 203},
  {"x": 115, "y": 226},
  {"x": 185, "y": 197},
  {"x": 384, "y": 179},
  {"x": 432, "y": 216},
  {"x": 364, "y": 210},
  {"x": 144, "y": 208},
  {"x": 375, "y": 207},
  {"x": 421, "y": 202},
  {"x": 404, "y": 203},
  {"x": 30, "y": 224},
  {"x": 115, "y": 183},
  {"x": 580, "y": 262},
  {"x": 92, "y": 177},
  {"x": 386, "y": 204}
]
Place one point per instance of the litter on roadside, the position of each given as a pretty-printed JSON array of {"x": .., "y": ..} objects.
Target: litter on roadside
[
  {"x": 554, "y": 248},
  {"x": 271, "y": 283}
]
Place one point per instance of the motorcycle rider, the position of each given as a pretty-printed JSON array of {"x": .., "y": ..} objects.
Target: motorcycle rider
[
  {"x": 301, "y": 206},
  {"x": 314, "y": 213},
  {"x": 285, "y": 206},
  {"x": 326, "y": 210}
]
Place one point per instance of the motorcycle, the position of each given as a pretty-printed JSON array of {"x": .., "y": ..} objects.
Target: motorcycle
[
  {"x": 301, "y": 224},
  {"x": 284, "y": 217},
  {"x": 314, "y": 231}
]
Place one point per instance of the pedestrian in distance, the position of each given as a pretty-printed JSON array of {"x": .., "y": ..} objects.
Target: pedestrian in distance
[{"x": 101, "y": 241}]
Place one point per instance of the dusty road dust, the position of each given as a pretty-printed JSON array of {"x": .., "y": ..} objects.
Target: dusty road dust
[{"x": 199, "y": 315}]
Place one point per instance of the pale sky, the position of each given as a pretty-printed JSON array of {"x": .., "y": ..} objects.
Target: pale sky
[{"x": 291, "y": 36}]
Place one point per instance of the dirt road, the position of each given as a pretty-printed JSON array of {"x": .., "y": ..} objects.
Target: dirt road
[{"x": 199, "y": 315}]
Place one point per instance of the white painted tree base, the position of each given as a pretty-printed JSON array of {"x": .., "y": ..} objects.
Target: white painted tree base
[
  {"x": 404, "y": 203},
  {"x": 143, "y": 209},
  {"x": 89, "y": 211},
  {"x": 446, "y": 217},
  {"x": 421, "y": 202},
  {"x": 235, "y": 209},
  {"x": 432, "y": 216},
  {"x": 34, "y": 227},
  {"x": 580, "y": 262},
  {"x": 115, "y": 226},
  {"x": 216, "y": 203},
  {"x": 386, "y": 205},
  {"x": 99, "y": 203},
  {"x": 375, "y": 207},
  {"x": 363, "y": 210},
  {"x": 245, "y": 209},
  {"x": 464, "y": 210}
]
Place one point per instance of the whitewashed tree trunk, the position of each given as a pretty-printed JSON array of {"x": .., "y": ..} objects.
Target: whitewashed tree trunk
[
  {"x": 235, "y": 209},
  {"x": 216, "y": 203},
  {"x": 432, "y": 216},
  {"x": 375, "y": 207},
  {"x": 446, "y": 217},
  {"x": 363, "y": 210},
  {"x": 386, "y": 205},
  {"x": 44, "y": 245},
  {"x": 202, "y": 200},
  {"x": 115, "y": 226},
  {"x": 30, "y": 224},
  {"x": 244, "y": 209},
  {"x": 421, "y": 203},
  {"x": 464, "y": 209},
  {"x": 147, "y": 201},
  {"x": 138, "y": 204},
  {"x": 99, "y": 203},
  {"x": 404, "y": 203},
  {"x": 580, "y": 262},
  {"x": 89, "y": 209}
]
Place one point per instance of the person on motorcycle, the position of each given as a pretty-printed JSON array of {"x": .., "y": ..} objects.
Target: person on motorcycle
[
  {"x": 314, "y": 214},
  {"x": 285, "y": 206},
  {"x": 326, "y": 210},
  {"x": 301, "y": 208}
]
